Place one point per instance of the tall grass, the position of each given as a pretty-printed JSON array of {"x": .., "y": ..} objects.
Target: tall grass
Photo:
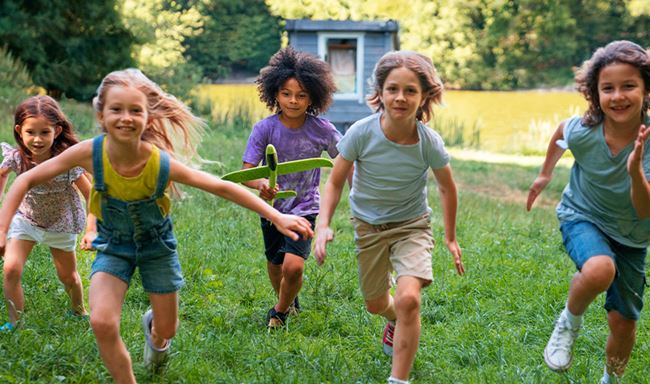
[{"x": 489, "y": 326}]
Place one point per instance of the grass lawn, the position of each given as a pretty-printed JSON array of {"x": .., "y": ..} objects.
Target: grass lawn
[{"x": 489, "y": 326}]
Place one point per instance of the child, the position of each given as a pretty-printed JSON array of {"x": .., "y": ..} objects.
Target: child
[
  {"x": 132, "y": 170},
  {"x": 605, "y": 208},
  {"x": 392, "y": 151},
  {"x": 297, "y": 87},
  {"x": 51, "y": 213}
]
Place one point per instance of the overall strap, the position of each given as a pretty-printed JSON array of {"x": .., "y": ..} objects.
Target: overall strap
[
  {"x": 98, "y": 163},
  {"x": 163, "y": 175}
]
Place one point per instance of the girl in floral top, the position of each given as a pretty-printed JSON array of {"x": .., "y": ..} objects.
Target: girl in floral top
[{"x": 51, "y": 213}]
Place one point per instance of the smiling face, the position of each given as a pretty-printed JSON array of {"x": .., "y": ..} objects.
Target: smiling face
[
  {"x": 401, "y": 94},
  {"x": 38, "y": 135},
  {"x": 124, "y": 115},
  {"x": 620, "y": 92},
  {"x": 293, "y": 101}
]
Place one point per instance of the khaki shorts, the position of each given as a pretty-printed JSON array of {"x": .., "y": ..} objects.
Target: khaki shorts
[
  {"x": 21, "y": 229},
  {"x": 403, "y": 247}
]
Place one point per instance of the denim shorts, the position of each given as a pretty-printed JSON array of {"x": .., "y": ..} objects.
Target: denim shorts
[
  {"x": 155, "y": 257},
  {"x": 584, "y": 240},
  {"x": 276, "y": 244}
]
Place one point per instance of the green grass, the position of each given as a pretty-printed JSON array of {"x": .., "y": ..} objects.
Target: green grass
[{"x": 489, "y": 326}]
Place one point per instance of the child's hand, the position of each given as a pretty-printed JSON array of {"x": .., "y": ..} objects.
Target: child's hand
[
  {"x": 636, "y": 156},
  {"x": 290, "y": 224},
  {"x": 87, "y": 241},
  {"x": 267, "y": 193},
  {"x": 454, "y": 249},
  {"x": 538, "y": 186},
  {"x": 323, "y": 236}
]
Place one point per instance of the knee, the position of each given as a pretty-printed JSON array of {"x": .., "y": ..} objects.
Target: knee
[
  {"x": 104, "y": 327},
  {"x": 622, "y": 328},
  {"x": 292, "y": 271},
  {"x": 600, "y": 273},
  {"x": 70, "y": 279},
  {"x": 12, "y": 272},
  {"x": 377, "y": 307},
  {"x": 407, "y": 302}
]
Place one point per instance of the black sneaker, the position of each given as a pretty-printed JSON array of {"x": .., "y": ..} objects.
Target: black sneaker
[
  {"x": 294, "y": 308},
  {"x": 275, "y": 319}
]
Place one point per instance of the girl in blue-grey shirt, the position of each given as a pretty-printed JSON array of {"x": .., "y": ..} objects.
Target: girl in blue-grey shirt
[{"x": 605, "y": 209}]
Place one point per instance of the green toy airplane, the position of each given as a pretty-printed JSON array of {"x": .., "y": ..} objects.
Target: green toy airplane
[{"x": 272, "y": 169}]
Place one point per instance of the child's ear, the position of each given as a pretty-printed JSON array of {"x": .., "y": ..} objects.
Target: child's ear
[
  {"x": 57, "y": 131},
  {"x": 100, "y": 117},
  {"x": 17, "y": 128}
]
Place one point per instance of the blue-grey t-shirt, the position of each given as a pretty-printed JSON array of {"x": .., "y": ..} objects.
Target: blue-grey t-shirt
[
  {"x": 316, "y": 136},
  {"x": 599, "y": 186},
  {"x": 389, "y": 183}
]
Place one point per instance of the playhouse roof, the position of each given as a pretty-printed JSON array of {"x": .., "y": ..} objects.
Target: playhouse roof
[{"x": 341, "y": 25}]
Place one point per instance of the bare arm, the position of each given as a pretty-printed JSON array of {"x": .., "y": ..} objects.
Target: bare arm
[
  {"x": 83, "y": 184},
  {"x": 449, "y": 204},
  {"x": 329, "y": 200},
  {"x": 287, "y": 224},
  {"x": 262, "y": 185},
  {"x": 639, "y": 189},
  {"x": 553, "y": 154},
  {"x": 4, "y": 175},
  {"x": 77, "y": 155}
]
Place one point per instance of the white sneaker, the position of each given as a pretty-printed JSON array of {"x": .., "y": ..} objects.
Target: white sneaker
[
  {"x": 154, "y": 357},
  {"x": 610, "y": 379},
  {"x": 558, "y": 351}
]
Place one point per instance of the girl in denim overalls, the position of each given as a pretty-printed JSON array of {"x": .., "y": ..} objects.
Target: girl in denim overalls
[{"x": 132, "y": 171}]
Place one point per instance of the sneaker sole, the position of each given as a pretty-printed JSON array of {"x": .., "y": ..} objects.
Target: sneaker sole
[{"x": 556, "y": 368}]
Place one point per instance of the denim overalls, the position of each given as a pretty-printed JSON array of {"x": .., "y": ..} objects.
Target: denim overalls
[{"x": 135, "y": 233}]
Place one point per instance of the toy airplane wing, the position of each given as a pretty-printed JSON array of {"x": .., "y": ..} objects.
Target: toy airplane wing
[{"x": 282, "y": 169}]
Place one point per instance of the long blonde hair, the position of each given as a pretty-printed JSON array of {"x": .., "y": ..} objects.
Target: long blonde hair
[{"x": 170, "y": 120}]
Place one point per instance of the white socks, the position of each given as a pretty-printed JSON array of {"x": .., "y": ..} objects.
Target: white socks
[
  {"x": 392, "y": 380},
  {"x": 574, "y": 321}
]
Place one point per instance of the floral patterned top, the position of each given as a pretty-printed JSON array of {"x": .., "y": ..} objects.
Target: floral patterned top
[{"x": 54, "y": 206}]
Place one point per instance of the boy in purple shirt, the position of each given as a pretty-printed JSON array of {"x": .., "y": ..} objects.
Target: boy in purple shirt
[{"x": 297, "y": 87}]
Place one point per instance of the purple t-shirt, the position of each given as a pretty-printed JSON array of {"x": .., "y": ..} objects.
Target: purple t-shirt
[{"x": 315, "y": 136}]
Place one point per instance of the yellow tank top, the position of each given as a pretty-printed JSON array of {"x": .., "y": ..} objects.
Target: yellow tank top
[{"x": 134, "y": 188}]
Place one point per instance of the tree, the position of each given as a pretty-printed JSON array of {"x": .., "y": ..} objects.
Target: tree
[
  {"x": 67, "y": 45},
  {"x": 237, "y": 35}
]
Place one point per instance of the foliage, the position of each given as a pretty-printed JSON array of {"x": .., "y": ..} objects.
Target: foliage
[
  {"x": 161, "y": 27},
  {"x": 236, "y": 35},
  {"x": 495, "y": 44},
  {"x": 489, "y": 326},
  {"x": 67, "y": 45},
  {"x": 15, "y": 81}
]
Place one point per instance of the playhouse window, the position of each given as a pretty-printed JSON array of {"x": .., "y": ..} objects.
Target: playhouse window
[{"x": 342, "y": 58}]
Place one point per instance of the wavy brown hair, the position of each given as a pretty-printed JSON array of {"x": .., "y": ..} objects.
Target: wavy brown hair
[
  {"x": 622, "y": 51},
  {"x": 47, "y": 108},
  {"x": 423, "y": 68},
  {"x": 313, "y": 74}
]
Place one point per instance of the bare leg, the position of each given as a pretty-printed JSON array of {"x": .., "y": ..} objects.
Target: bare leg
[
  {"x": 15, "y": 259},
  {"x": 106, "y": 296},
  {"x": 292, "y": 270},
  {"x": 275, "y": 275},
  {"x": 66, "y": 268},
  {"x": 165, "y": 317},
  {"x": 620, "y": 342},
  {"x": 596, "y": 276},
  {"x": 383, "y": 306},
  {"x": 407, "y": 329}
]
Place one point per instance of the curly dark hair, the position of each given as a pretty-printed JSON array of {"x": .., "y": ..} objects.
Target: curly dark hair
[
  {"x": 621, "y": 51},
  {"x": 48, "y": 108},
  {"x": 313, "y": 74},
  {"x": 423, "y": 68}
]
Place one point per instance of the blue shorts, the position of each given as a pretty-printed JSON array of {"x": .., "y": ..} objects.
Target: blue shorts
[
  {"x": 276, "y": 244},
  {"x": 584, "y": 240},
  {"x": 155, "y": 257}
]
